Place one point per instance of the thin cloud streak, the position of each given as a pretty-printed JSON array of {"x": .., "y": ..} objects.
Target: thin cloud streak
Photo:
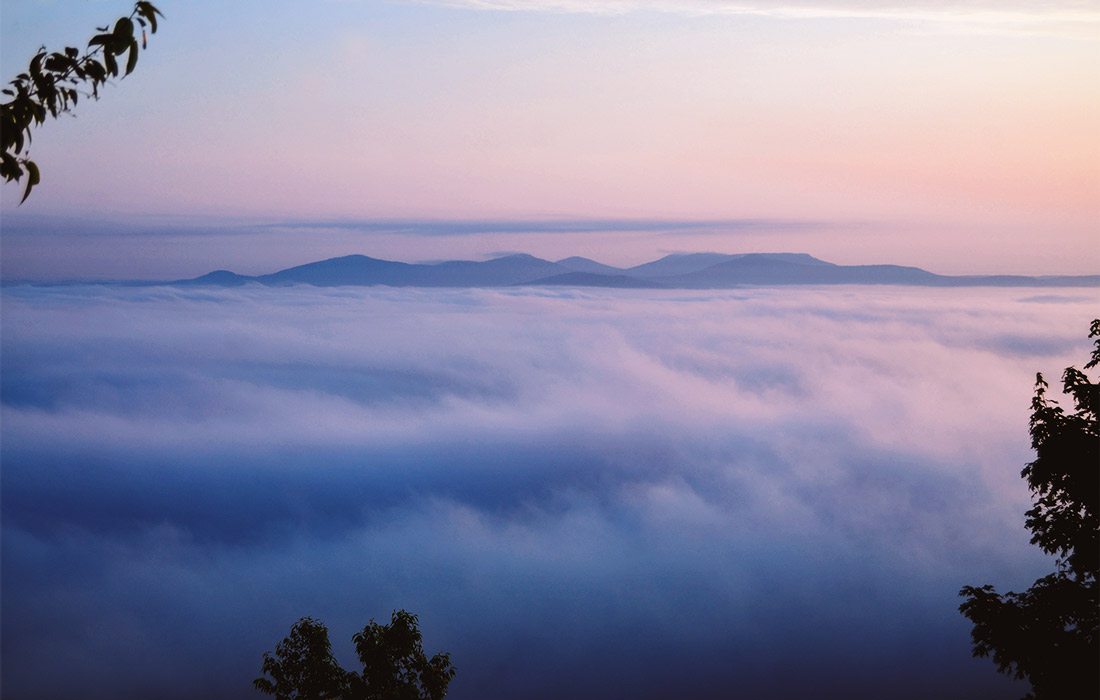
[
  {"x": 1067, "y": 19},
  {"x": 459, "y": 227}
]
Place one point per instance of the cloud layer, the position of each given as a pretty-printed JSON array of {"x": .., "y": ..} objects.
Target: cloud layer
[{"x": 583, "y": 494}]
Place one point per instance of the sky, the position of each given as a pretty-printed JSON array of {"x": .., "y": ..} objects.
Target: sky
[
  {"x": 583, "y": 493},
  {"x": 959, "y": 137}
]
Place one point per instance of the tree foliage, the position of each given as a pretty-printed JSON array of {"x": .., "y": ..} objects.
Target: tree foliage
[
  {"x": 395, "y": 666},
  {"x": 55, "y": 81},
  {"x": 303, "y": 665},
  {"x": 1049, "y": 634}
]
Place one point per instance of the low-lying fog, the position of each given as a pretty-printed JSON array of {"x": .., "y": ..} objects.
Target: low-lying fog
[{"x": 583, "y": 494}]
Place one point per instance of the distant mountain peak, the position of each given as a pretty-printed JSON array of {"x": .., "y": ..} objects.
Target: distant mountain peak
[
  {"x": 576, "y": 259},
  {"x": 577, "y": 263},
  {"x": 674, "y": 271}
]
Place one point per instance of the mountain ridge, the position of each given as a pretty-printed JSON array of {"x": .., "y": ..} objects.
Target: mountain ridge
[{"x": 676, "y": 271}]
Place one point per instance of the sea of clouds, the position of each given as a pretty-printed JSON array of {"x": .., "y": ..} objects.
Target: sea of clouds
[{"x": 586, "y": 494}]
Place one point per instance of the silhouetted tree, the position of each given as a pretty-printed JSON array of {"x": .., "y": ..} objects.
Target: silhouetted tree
[
  {"x": 1048, "y": 634},
  {"x": 302, "y": 666},
  {"x": 55, "y": 81},
  {"x": 394, "y": 665}
]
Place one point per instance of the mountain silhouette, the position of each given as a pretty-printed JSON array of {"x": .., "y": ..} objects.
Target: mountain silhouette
[
  {"x": 579, "y": 264},
  {"x": 678, "y": 271}
]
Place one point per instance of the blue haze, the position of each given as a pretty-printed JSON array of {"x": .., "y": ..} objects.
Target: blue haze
[{"x": 585, "y": 494}]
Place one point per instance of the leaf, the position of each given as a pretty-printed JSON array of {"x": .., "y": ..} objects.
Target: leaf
[
  {"x": 149, "y": 8},
  {"x": 57, "y": 62},
  {"x": 131, "y": 58},
  {"x": 96, "y": 70},
  {"x": 32, "y": 179},
  {"x": 9, "y": 167},
  {"x": 109, "y": 59},
  {"x": 36, "y": 64},
  {"x": 124, "y": 29},
  {"x": 149, "y": 12}
]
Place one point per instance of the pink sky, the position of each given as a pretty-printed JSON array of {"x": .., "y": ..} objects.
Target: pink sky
[{"x": 958, "y": 137}]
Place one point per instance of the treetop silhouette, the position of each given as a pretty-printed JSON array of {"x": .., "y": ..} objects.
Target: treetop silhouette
[
  {"x": 395, "y": 666},
  {"x": 1049, "y": 634},
  {"x": 54, "y": 83}
]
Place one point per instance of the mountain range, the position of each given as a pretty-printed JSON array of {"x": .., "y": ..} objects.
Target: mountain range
[{"x": 678, "y": 271}]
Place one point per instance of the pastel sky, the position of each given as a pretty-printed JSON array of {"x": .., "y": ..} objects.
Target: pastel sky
[{"x": 956, "y": 136}]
